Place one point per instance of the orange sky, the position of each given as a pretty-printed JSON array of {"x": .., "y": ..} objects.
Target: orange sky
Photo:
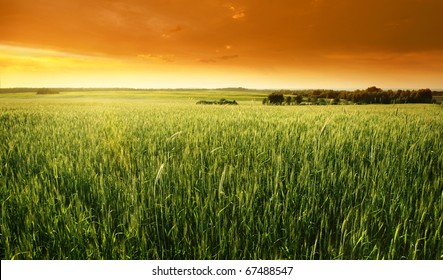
[{"x": 215, "y": 43}]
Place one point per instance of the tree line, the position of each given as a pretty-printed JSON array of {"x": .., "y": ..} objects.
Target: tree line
[{"x": 371, "y": 95}]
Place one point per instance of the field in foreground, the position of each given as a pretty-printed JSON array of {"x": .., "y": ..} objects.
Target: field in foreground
[{"x": 107, "y": 179}]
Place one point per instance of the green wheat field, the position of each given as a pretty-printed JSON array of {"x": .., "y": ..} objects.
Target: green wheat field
[{"x": 115, "y": 175}]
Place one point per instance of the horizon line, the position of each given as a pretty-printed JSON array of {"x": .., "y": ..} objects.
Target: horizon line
[{"x": 201, "y": 88}]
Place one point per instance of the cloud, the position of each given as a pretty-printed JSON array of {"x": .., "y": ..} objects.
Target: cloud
[
  {"x": 170, "y": 31},
  {"x": 157, "y": 57},
  {"x": 316, "y": 3},
  {"x": 35, "y": 59},
  {"x": 236, "y": 13},
  {"x": 225, "y": 57},
  {"x": 218, "y": 58},
  {"x": 132, "y": 27},
  {"x": 207, "y": 60}
]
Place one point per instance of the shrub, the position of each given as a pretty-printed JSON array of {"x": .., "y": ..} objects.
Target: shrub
[{"x": 220, "y": 102}]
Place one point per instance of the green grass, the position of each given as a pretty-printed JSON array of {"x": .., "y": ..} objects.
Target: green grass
[{"x": 140, "y": 177}]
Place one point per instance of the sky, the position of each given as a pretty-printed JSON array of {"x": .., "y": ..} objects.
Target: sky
[{"x": 291, "y": 44}]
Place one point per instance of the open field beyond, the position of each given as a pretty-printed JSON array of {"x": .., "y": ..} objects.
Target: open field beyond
[{"x": 139, "y": 176}]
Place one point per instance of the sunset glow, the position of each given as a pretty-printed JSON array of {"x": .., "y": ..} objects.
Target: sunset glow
[{"x": 214, "y": 43}]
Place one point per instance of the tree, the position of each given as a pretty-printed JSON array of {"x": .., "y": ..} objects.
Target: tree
[
  {"x": 276, "y": 98},
  {"x": 373, "y": 89},
  {"x": 298, "y": 99},
  {"x": 424, "y": 96},
  {"x": 288, "y": 100}
]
